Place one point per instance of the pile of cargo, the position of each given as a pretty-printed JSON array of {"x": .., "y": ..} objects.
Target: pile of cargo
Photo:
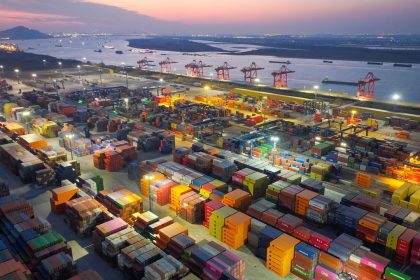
[
  {"x": 235, "y": 230},
  {"x": 238, "y": 199},
  {"x": 108, "y": 159},
  {"x": 20, "y": 161},
  {"x": 191, "y": 207},
  {"x": 148, "y": 180},
  {"x": 407, "y": 196},
  {"x": 305, "y": 261},
  {"x": 161, "y": 191},
  {"x": 78, "y": 145},
  {"x": 62, "y": 195},
  {"x": 62, "y": 108},
  {"x": 123, "y": 203},
  {"x": 32, "y": 142},
  {"x": 176, "y": 193},
  {"x": 223, "y": 169},
  {"x": 209, "y": 208},
  {"x": 51, "y": 155},
  {"x": 46, "y": 128},
  {"x": 90, "y": 183},
  {"x": 11, "y": 128},
  {"x": 217, "y": 221},
  {"x": 84, "y": 213},
  {"x": 212, "y": 261},
  {"x": 256, "y": 184},
  {"x": 32, "y": 241},
  {"x": 165, "y": 234}
]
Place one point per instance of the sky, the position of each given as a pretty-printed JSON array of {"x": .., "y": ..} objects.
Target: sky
[{"x": 214, "y": 16}]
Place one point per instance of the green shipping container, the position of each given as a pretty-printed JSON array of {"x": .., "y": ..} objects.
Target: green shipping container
[{"x": 392, "y": 274}]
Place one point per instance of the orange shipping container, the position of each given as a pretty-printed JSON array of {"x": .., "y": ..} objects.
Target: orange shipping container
[{"x": 280, "y": 254}]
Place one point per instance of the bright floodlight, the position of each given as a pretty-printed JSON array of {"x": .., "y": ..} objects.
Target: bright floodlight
[
  {"x": 161, "y": 80},
  {"x": 1, "y": 66},
  {"x": 26, "y": 113},
  {"x": 149, "y": 177},
  {"x": 17, "y": 70},
  {"x": 318, "y": 138},
  {"x": 70, "y": 136},
  {"x": 126, "y": 100},
  {"x": 343, "y": 144},
  {"x": 257, "y": 80},
  {"x": 396, "y": 96},
  {"x": 275, "y": 138},
  {"x": 316, "y": 87},
  {"x": 60, "y": 63},
  {"x": 33, "y": 75},
  {"x": 206, "y": 87},
  {"x": 78, "y": 66}
]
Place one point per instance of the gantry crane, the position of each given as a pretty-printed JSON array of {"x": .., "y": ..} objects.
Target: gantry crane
[
  {"x": 251, "y": 72},
  {"x": 280, "y": 77},
  {"x": 223, "y": 71},
  {"x": 366, "y": 87},
  {"x": 144, "y": 63},
  {"x": 196, "y": 69},
  {"x": 166, "y": 65}
]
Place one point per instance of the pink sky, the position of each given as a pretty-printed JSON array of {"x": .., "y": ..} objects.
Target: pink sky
[{"x": 218, "y": 16}]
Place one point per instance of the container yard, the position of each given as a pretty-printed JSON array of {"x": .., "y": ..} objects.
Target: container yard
[{"x": 151, "y": 182}]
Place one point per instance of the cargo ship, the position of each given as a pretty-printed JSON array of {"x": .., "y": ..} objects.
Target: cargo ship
[
  {"x": 345, "y": 83},
  {"x": 281, "y": 62},
  {"x": 328, "y": 61},
  {"x": 403, "y": 65},
  {"x": 375, "y": 63}
]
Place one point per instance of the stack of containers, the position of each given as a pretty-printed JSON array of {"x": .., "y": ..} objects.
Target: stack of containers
[
  {"x": 280, "y": 254},
  {"x": 161, "y": 191},
  {"x": 165, "y": 234},
  {"x": 144, "y": 182},
  {"x": 113, "y": 243},
  {"x": 265, "y": 236},
  {"x": 123, "y": 203},
  {"x": 60, "y": 196},
  {"x": 226, "y": 265},
  {"x": 352, "y": 266},
  {"x": 176, "y": 192},
  {"x": 192, "y": 208},
  {"x": 273, "y": 191},
  {"x": 152, "y": 230},
  {"x": 143, "y": 220},
  {"x": 305, "y": 261},
  {"x": 302, "y": 233},
  {"x": 83, "y": 213},
  {"x": 239, "y": 177},
  {"x": 287, "y": 197},
  {"x": 254, "y": 233},
  {"x": 256, "y": 184},
  {"x": 343, "y": 246},
  {"x": 106, "y": 229},
  {"x": 58, "y": 266},
  {"x": 217, "y": 221},
  {"x": 318, "y": 209},
  {"x": 328, "y": 268},
  {"x": 392, "y": 240},
  {"x": 368, "y": 227},
  {"x": 382, "y": 235},
  {"x": 372, "y": 266},
  {"x": 179, "y": 244},
  {"x": 415, "y": 250},
  {"x": 214, "y": 190},
  {"x": 257, "y": 209},
  {"x": 320, "y": 241},
  {"x": 302, "y": 201},
  {"x": 404, "y": 245},
  {"x": 392, "y": 274},
  {"x": 90, "y": 183},
  {"x": 313, "y": 185},
  {"x": 165, "y": 268},
  {"x": 223, "y": 169},
  {"x": 288, "y": 223},
  {"x": 348, "y": 217},
  {"x": 235, "y": 230},
  {"x": 179, "y": 153},
  {"x": 271, "y": 216},
  {"x": 196, "y": 256},
  {"x": 237, "y": 199},
  {"x": 204, "y": 163},
  {"x": 200, "y": 181},
  {"x": 209, "y": 208}
]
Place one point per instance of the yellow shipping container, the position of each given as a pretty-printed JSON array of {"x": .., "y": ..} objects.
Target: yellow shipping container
[
  {"x": 392, "y": 238},
  {"x": 7, "y": 108},
  {"x": 415, "y": 198}
]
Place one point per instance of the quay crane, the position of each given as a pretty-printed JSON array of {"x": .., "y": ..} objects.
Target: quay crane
[
  {"x": 366, "y": 87},
  {"x": 223, "y": 71},
  {"x": 251, "y": 72},
  {"x": 196, "y": 69},
  {"x": 280, "y": 77},
  {"x": 166, "y": 65}
]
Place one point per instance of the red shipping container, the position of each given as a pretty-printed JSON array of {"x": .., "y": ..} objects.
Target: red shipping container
[{"x": 320, "y": 241}]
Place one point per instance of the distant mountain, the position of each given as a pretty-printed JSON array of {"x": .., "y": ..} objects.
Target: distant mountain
[{"x": 23, "y": 33}]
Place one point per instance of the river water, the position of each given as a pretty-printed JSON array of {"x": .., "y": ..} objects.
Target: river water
[{"x": 309, "y": 72}]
